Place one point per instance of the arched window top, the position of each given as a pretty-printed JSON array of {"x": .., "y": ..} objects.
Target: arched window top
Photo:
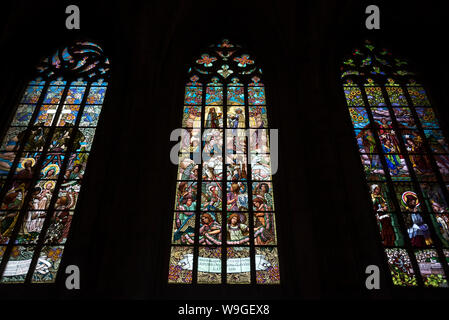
[
  {"x": 82, "y": 59},
  {"x": 370, "y": 66},
  {"x": 225, "y": 63}
]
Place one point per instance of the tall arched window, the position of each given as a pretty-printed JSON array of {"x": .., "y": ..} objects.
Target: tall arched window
[
  {"x": 43, "y": 156},
  {"x": 405, "y": 157},
  {"x": 224, "y": 221}
]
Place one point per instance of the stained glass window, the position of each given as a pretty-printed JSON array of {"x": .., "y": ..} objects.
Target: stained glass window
[
  {"x": 224, "y": 226},
  {"x": 43, "y": 158},
  {"x": 406, "y": 158}
]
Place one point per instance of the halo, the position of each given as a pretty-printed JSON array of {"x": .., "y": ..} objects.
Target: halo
[
  {"x": 404, "y": 198},
  {"x": 33, "y": 162},
  {"x": 49, "y": 182},
  {"x": 49, "y": 167}
]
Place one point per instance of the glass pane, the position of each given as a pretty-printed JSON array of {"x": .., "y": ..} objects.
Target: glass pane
[
  {"x": 84, "y": 139},
  {"x": 42, "y": 194},
  {"x": 236, "y": 141},
  {"x": 404, "y": 118},
  {"x": 436, "y": 140},
  {"x": 59, "y": 228},
  {"x": 396, "y": 95},
  {"x": 422, "y": 167},
  {"x": 382, "y": 117},
  {"x": 90, "y": 117},
  {"x": 434, "y": 198},
  {"x": 37, "y": 139},
  {"x": 190, "y": 140},
  {"x": 76, "y": 165},
  {"x": 75, "y": 95},
  {"x": 267, "y": 266},
  {"x": 209, "y": 265},
  {"x": 401, "y": 268},
  {"x": 237, "y": 228},
  {"x": 213, "y": 167},
  {"x": 214, "y": 117},
  {"x": 440, "y": 223},
  {"x": 54, "y": 94},
  {"x": 6, "y": 162},
  {"x": 418, "y": 230},
  {"x": 193, "y": 95},
  {"x": 389, "y": 229},
  {"x": 237, "y": 196},
  {"x": 359, "y": 117},
  {"x": 32, "y": 94},
  {"x": 60, "y": 140},
  {"x": 187, "y": 168},
  {"x": 431, "y": 268},
  {"x": 15, "y": 195},
  {"x": 264, "y": 228},
  {"x": 427, "y": 118},
  {"x": 366, "y": 141},
  {"x": 8, "y": 221},
  {"x": 258, "y": 117},
  {"x": 256, "y": 95},
  {"x": 238, "y": 266},
  {"x": 418, "y": 96},
  {"x": 210, "y": 228},
  {"x": 213, "y": 141},
  {"x": 68, "y": 195},
  {"x": 237, "y": 169},
  {"x": 443, "y": 165},
  {"x": 48, "y": 264},
  {"x": 236, "y": 96},
  {"x": 211, "y": 196},
  {"x": 214, "y": 95},
  {"x": 186, "y": 196},
  {"x": 183, "y": 228},
  {"x": 18, "y": 264},
  {"x": 191, "y": 117},
  {"x": 23, "y": 115},
  {"x": 260, "y": 167},
  {"x": 236, "y": 117},
  {"x": 372, "y": 167},
  {"x": 68, "y": 115},
  {"x": 374, "y": 96},
  {"x": 407, "y": 197},
  {"x": 96, "y": 95},
  {"x": 13, "y": 138},
  {"x": 31, "y": 227},
  {"x": 397, "y": 167},
  {"x": 263, "y": 196},
  {"x": 380, "y": 196},
  {"x": 46, "y": 115},
  {"x": 181, "y": 265},
  {"x": 259, "y": 141},
  {"x": 353, "y": 96}
]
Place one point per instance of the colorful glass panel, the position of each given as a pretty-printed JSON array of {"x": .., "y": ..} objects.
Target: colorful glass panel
[
  {"x": 38, "y": 200},
  {"x": 224, "y": 207},
  {"x": 401, "y": 149}
]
